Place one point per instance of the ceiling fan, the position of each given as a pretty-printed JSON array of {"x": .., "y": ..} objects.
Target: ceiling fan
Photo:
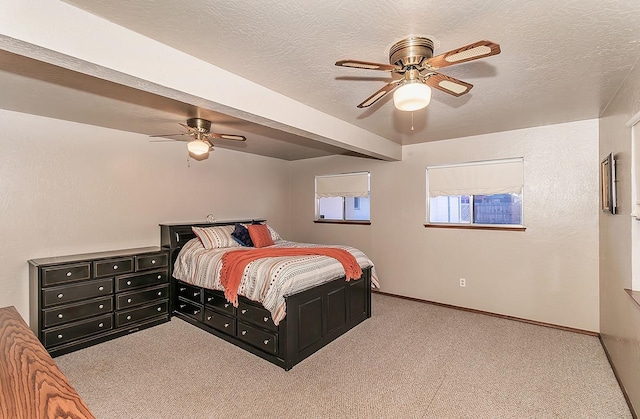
[
  {"x": 413, "y": 59},
  {"x": 200, "y": 130}
]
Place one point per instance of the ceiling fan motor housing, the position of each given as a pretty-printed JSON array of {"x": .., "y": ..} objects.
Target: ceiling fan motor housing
[
  {"x": 202, "y": 125},
  {"x": 411, "y": 51}
]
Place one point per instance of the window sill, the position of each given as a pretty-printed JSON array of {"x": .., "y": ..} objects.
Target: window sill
[
  {"x": 477, "y": 227},
  {"x": 635, "y": 295},
  {"x": 342, "y": 222}
]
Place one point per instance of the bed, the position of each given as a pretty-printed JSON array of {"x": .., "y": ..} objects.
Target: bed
[{"x": 283, "y": 328}]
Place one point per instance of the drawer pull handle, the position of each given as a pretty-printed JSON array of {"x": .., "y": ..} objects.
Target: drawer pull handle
[
  {"x": 69, "y": 273},
  {"x": 243, "y": 311},
  {"x": 101, "y": 306},
  {"x": 159, "y": 308},
  {"x": 153, "y": 261},
  {"x": 60, "y": 316},
  {"x": 266, "y": 341},
  {"x": 101, "y": 325},
  {"x": 183, "y": 305},
  {"x": 266, "y": 319},
  {"x": 100, "y": 288},
  {"x": 160, "y": 293},
  {"x": 129, "y": 300},
  {"x": 226, "y": 325},
  {"x": 115, "y": 267},
  {"x": 128, "y": 282},
  {"x": 196, "y": 312},
  {"x": 59, "y": 336},
  {"x": 128, "y": 317},
  {"x": 182, "y": 289},
  {"x": 244, "y": 332},
  {"x": 208, "y": 317},
  {"x": 159, "y": 276},
  {"x": 60, "y": 295}
]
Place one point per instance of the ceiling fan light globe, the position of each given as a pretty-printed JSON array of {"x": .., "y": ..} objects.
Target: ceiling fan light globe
[
  {"x": 198, "y": 147},
  {"x": 412, "y": 96}
]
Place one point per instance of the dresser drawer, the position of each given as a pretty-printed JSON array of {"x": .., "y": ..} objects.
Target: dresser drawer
[
  {"x": 135, "y": 315},
  {"x": 77, "y": 330},
  {"x": 135, "y": 298},
  {"x": 81, "y": 291},
  {"x": 66, "y": 273},
  {"x": 72, "y": 312},
  {"x": 220, "y": 321},
  {"x": 189, "y": 308},
  {"x": 257, "y": 315},
  {"x": 129, "y": 282},
  {"x": 156, "y": 260},
  {"x": 112, "y": 267},
  {"x": 189, "y": 292},
  {"x": 259, "y": 338},
  {"x": 216, "y": 299}
]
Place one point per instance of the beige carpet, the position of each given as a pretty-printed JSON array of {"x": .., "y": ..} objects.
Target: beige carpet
[{"x": 410, "y": 360}]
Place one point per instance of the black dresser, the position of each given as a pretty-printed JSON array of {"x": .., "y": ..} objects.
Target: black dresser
[{"x": 81, "y": 300}]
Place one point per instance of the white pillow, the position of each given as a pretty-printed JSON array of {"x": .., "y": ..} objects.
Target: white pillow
[{"x": 217, "y": 237}]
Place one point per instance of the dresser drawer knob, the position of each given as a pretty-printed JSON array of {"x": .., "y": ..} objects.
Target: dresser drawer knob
[
  {"x": 244, "y": 311},
  {"x": 115, "y": 267},
  {"x": 183, "y": 305},
  {"x": 266, "y": 319},
  {"x": 266, "y": 341},
  {"x": 209, "y": 298},
  {"x": 128, "y": 317},
  {"x": 153, "y": 261},
  {"x": 226, "y": 325},
  {"x": 182, "y": 289},
  {"x": 69, "y": 273},
  {"x": 244, "y": 332},
  {"x": 208, "y": 318},
  {"x": 194, "y": 311},
  {"x": 59, "y": 336},
  {"x": 101, "y": 325},
  {"x": 129, "y": 300},
  {"x": 159, "y": 276},
  {"x": 60, "y": 316},
  {"x": 128, "y": 282},
  {"x": 100, "y": 288},
  {"x": 60, "y": 295},
  {"x": 226, "y": 305},
  {"x": 101, "y": 306},
  {"x": 160, "y": 293},
  {"x": 197, "y": 293},
  {"x": 159, "y": 308}
]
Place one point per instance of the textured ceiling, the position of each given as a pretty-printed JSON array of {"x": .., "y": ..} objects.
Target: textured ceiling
[{"x": 561, "y": 60}]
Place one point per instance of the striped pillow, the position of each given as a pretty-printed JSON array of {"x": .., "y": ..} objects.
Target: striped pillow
[{"x": 217, "y": 237}]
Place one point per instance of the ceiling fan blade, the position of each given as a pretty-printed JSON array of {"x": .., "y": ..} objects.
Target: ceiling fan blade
[
  {"x": 480, "y": 49},
  {"x": 169, "y": 135},
  {"x": 229, "y": 137},
  {"x": 448, "y": 84},
  {"x": 366, "y": 65},
  {"x": 379, "y": 94}
]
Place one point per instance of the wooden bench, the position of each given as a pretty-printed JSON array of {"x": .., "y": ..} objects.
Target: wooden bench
[{"x": 31, "y": 384}]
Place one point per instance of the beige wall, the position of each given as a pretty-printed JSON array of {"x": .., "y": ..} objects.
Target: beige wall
[
  {"x": 619, "y": 315},
  {"x": 68, "y": 188},
  {"x": 548, "y": 273}
]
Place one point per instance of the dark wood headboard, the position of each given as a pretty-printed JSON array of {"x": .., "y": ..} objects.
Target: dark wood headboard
[{"x": 176, "y": 235}]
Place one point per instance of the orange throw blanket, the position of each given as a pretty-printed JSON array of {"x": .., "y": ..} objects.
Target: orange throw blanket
[{"x": 234, "y": 263}]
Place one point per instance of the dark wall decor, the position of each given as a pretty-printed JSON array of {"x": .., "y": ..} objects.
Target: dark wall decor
[{"x": 608, "y": 184}]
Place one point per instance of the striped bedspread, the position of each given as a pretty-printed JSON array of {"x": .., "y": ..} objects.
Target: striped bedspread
[{"x": 268, "y": 280}]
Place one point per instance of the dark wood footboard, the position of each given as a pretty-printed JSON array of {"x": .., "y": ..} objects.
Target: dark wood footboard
[{"x": 315, "y": 317}]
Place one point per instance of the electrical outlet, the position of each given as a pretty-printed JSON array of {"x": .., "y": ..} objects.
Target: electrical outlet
[{"x": 463, "y": 282}]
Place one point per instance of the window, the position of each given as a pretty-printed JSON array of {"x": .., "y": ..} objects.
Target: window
[
  {"x": 343, "y": 197},
  {"x": 485, "y": 193}
]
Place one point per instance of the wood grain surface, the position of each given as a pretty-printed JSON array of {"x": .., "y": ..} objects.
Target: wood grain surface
[{"x": 31, "y": 384}]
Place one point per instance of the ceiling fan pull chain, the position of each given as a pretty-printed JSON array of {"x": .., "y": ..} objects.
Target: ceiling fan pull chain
[{"x": 411, "y": 121}]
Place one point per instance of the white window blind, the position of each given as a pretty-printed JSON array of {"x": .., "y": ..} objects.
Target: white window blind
[
  {"x": 480, "y": 178},
  {"x": 345, "y": 185}
]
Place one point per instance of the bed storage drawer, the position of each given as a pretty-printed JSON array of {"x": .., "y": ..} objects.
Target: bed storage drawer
[
  {"x": 219, "y": 321},
  {"x": 112, "y": 267},
  {"x": 259, "y": 338},
  {"x": 81, "y": 291},
  {"x": 215, "y": 299},
  {"x": 128, "y": 282},
  {"x": 73, "y": 312},
  {"x": 66, "y": 273},
  {"x": 257, "y": 315},
  {"x": 73, "y": 331},
  {"x": 189, "y": 292},
  {"x": 189, "y": 308},
  {"x": 136, "y": 298},
  {"x": 158, "y": 260},
  {"x": 127, "y": 317}
]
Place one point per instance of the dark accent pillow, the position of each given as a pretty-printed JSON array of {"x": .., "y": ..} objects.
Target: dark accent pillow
[{"x": 241, "y": 235}]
